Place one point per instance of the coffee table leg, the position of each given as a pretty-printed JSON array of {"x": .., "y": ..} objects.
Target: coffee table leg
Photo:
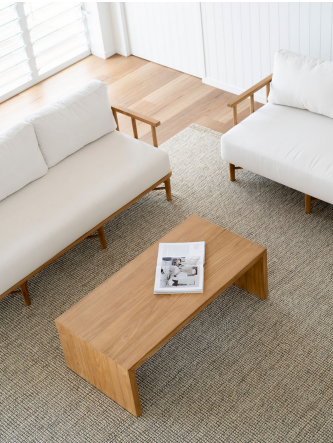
[
  {"x": 254, "y": 280},
  {"x": 105, "y": 374},
  {"x": 129, "y": 388}
]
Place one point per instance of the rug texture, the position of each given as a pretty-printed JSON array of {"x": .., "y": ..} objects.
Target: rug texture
[{"x": 244, "y": 370}]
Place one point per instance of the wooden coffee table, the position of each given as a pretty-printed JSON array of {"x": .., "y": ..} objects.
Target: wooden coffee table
[{"x": 115, "y": 328}]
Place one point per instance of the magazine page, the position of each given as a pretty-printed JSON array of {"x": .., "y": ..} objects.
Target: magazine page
[
  {"x": 182, "y": 250},
  {"x": 180, "y": 268}
]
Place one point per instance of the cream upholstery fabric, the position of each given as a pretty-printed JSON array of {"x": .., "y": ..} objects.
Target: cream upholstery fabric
[
  {"x": 302, "y": 82},
  {"x": 74, "y": 196},
  {"x": 67, "y": 125},
  {"x": 21, "y": 161},
  {"x": 288, "y": 145}
]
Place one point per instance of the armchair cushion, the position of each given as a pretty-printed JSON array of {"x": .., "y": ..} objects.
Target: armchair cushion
[
  {"x": 21, "y": 161},
  {"x": 288, "y": 145},
  {"x": 67, "y": 125},
  {"x": 302, "y": 82}
]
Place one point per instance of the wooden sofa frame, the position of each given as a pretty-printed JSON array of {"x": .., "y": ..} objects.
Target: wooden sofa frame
[
  {"x": 249, "y": 93},
  {"x": 22, "y": 286}
]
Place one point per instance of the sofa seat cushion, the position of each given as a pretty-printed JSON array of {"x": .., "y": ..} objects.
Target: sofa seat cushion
[
  {"x": 65, "y": 126},
  {"x": 288, "y": 145},
  {"x": 76, "y": 195},
  {"x": 21, "y": 161}
]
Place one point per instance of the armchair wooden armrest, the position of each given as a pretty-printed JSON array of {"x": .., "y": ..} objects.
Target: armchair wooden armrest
[
  {"x": 250, "y": 93},
  {"x": 136, "y": 116}
]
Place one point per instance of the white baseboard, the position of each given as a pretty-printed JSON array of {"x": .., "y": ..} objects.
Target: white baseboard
[
  {"x": 103, "y": 54},
  {"x": 110, "y": 52},
  {"x": 106, "y": 54},
  {"x": 123, "y": 51},
  {"x": 230, "y": 88}
]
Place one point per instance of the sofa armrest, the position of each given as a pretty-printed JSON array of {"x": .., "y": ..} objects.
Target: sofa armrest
[
  {"x": 142, "y": 118},
  {"x": 136, "y": 116},
  {"x": 250, "y": 93}
]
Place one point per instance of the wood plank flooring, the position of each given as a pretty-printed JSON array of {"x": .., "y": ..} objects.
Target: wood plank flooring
[{"x": 175, "y": 98}]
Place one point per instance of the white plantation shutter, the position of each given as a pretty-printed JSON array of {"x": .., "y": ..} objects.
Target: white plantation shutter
[
  {"x": 57, "y": 32},
  {"x": 38, "y": 39},
  {"x": 14, "y": 66}
]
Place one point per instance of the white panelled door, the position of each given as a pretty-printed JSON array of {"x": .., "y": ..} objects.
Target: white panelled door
[{"x": 167, "y": 33}]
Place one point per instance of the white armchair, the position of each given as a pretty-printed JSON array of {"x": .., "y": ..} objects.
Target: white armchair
[{"x": 289, "y": 139}]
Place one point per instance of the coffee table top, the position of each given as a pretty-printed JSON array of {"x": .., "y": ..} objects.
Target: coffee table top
[{"x": 127, "y": 322}]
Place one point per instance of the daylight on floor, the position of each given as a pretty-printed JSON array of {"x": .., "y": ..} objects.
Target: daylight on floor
[{"x": 201, "y": 312}]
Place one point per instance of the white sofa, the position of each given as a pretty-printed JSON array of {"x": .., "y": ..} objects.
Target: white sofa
[
  {"x": 288, "y": 140},
  {"x": 64, "y": 172}
]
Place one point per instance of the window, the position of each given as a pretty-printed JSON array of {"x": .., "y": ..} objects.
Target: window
[
  {"x": 14, "y": 66},
  {"x": 38, "y": 39}
]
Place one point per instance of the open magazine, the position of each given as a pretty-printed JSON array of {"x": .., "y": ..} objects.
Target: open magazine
[{"x": 180, "y": 268}]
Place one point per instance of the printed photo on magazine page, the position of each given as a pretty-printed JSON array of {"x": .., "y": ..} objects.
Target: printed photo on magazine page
[{"x": 181, "y": 271}]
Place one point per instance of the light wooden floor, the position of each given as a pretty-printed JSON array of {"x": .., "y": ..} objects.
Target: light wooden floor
[{"x": 175, "y": 98}]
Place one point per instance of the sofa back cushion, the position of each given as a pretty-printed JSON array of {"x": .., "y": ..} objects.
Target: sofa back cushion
[
  {"x": 67, "y": 125},
  {"x": 21, "y": 161},
  {"x": 302, "y": 82}
]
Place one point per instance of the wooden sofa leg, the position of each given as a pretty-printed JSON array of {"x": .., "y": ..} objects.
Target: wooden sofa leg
[
  {"x": 232, "y": 172},
  {"x": 168, "y": 189},
  {"x": 307, "y": 204},
  {"x": 25, "y": 293},
  {"x": 101, "y": 236}
]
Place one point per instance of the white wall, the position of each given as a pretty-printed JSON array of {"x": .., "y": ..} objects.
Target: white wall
[
  {"x": 240, "y": 39},
  {"x": 107, "y": 28},
  {"x": 167, "y": 33},
  {"x": 119, "y": 28},
  {"x": 100, "y": 30}
]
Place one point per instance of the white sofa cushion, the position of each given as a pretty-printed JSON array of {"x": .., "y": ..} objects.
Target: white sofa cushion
[
  {"x": 76, "y": 195},
  {"x": 67, "y": 125},
  {"x": 288, "y": 145},
  {"x": 302, "y": 82},
  {"x": 21, "y": 161}
]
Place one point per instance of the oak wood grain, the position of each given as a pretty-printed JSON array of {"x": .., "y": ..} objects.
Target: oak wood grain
[
  {"x": 23, "y": 290},
  {"x": 101, "y": 236},
  {"x": 251, "y": 104},
  {"x": 135, "y": 129},
  {"x": 249, "y": 92},
  {"x": 167, "y": 184},
  {"x": 268, "y": 87},
  {"x": 232, "y": 174},
  {"x": 154, "y": 135},
  {"x": 25, "y": 293},
  {"x": 136, "y": 116},
  {"x": 307, "y": 204},
  {"x": 126, "y": 322},
  {"x": 175, "y": 98},
  {"x": 255, "y": 279},
  {"x": 103, "y": 373}
]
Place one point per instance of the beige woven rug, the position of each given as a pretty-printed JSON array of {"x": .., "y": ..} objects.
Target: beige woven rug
[{"x": 244, "y": 370}]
